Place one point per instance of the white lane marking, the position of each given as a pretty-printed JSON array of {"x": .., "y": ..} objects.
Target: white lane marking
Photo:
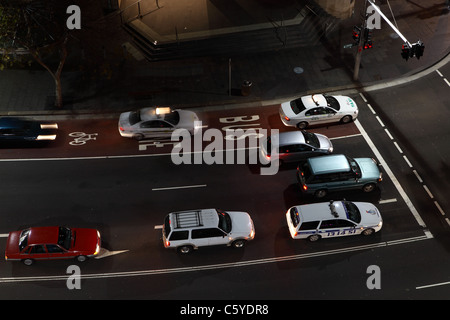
[
  {"x": 391, "y": 175},
  {"x": 407, "y": 161},
  {"x": 398, "y": 147},
  {"x": 180, "y": 187},
  {"x": 4, "y": 235},
  {"x": 428, "y": 191},
  {"x": 433, "y": 285},
  {"x": 158, "y": 227},
  {"x": 418, "y": 176},
  {"x": 387, "y": 201},
  {"x": 348, "y": 136},
  {"x": 215, "y": 266},
  {"x": 379, "y": 120},
  {"x": 389, "y": 134}
]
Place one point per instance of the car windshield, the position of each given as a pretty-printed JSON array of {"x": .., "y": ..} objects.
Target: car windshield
[
  {"x": 64, "y": 237},
  {"x": 224, "y": 221},
  {"x": 23, "y": 240},
  {"x": 352, "y": 211},
  {"x": 333, "y": 103},
  {"x": 355, "y": 168},
  {"x": 311, "y": 139},
  {"x": 297, "y": 105}
]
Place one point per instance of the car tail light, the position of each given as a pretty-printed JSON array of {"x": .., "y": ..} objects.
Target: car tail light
[
  {"x": 287, "y": 118},
  {"x": 167, "y": 243},
  {"x": 305, "y": 187},
  {"x": 121, "y": 129}
]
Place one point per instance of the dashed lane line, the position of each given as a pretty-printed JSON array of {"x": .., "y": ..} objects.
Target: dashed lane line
[
  {"x": 430, "y": 194},
  {"x": 391, "y": 175}
]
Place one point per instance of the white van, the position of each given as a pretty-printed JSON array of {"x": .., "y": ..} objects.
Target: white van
[{"x": 333, "y": 219}]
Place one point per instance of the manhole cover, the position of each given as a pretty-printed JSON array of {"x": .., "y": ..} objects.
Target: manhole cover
[{"x": 298, "y": 70}]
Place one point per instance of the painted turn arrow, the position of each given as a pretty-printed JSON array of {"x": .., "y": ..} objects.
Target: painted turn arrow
[{"x": 106, "y": 253}]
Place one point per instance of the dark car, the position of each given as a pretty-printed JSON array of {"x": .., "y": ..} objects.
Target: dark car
[{"x": 22, "y": 129}]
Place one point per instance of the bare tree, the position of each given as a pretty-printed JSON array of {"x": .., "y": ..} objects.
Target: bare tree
[{"x": 32, "y": 28}]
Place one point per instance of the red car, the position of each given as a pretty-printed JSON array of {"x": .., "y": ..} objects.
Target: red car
[{"x": 45, "y": 243}]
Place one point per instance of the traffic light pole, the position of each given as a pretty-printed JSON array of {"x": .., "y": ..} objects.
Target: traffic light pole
[
  {"x": 377, "y": 9},
  {"x": 360, "y": 50}
]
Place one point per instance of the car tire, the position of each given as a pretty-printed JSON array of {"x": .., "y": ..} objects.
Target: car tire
[
  {"x": 185, "y": 249},
  {"x": 314, "y": 238},
  {"x": 346, "y": 119},
  {"x": 320, "y": 193},
  {"x": 368, "y": 232},
  {"x": 240, "y": 243},
  {"x": 81, "y": 258},
  {"x": 368, "y": 187},
  {"x": 302, "y": 125},
  {"x": 28, "y": 262}
]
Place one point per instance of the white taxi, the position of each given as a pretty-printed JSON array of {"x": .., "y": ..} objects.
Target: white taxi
[
  {"x": 318, "y": 109},
  {"x": 333, "y": 219},
  {"x": 156, "y": 122}
]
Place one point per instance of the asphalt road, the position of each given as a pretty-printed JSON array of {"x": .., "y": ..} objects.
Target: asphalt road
[{"x": 125, "y": 188}]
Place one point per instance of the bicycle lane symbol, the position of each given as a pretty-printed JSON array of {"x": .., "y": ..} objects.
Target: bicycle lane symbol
[{"x": 81, "y": 138}]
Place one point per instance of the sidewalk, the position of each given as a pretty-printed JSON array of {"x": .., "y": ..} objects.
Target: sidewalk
[{"x": 100, "y": 77}]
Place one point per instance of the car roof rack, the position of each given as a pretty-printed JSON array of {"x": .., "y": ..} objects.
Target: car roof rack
[{"x": 186, "y": 219}]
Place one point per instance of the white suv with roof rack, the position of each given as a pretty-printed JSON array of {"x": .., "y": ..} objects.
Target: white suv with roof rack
[{"x": 189, "y": 230}]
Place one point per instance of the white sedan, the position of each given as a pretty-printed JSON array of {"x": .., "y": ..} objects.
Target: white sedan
[
  {"x": 318, "y": 109},
  {"x": 156, "y": 122}
]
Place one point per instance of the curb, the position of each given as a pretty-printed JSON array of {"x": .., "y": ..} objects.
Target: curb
[{"x": 343, "y": 90}]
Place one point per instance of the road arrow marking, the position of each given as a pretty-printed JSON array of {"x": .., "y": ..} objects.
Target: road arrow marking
[{"x": 106, "y": 253}]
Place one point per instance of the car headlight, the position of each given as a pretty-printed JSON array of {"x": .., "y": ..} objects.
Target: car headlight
[{"x": 46, "y": 137}]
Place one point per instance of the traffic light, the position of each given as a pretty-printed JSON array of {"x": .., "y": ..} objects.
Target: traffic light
[
  {"x": 356, "y": 34},
  {"x": 406, "y": 51},
  {"x": 418, "y": 49},
  {"x": 367, "y": 38}
]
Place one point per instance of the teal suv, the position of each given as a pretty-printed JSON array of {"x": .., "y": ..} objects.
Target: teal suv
[{"x": 319, "y": 175}]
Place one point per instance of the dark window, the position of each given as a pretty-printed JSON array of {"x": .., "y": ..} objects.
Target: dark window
[
  {"x": 207, "y": 233},
  {"x": 332, "y": 102},
  {"x": 329, "y": 224},
  {"x": 311, "y": 225},
  {"x": 316, "y": 111},
  {"x": 297, "y": 106},
  {"x": 155, "y": 124},
  {"x": 53, "y": 248},
  {"x": 37, "y": 249},
  {"x": 179, "y": 235}
]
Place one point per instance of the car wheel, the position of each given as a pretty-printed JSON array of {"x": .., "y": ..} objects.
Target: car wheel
[
  {"x": 28, "y": 262},
  {"x": 138, "y": 137},
  {"x": 81, "y": 258},
  {"x": 185, "y": 249},
  {"x": 320, "y": 193},
  {"x": 302, "y": 125},
  {"x": 238, "y": 243},
  {"x": 314, "y": 238},
  {"x": 368, "y": 232},
  {"x": 346, "y": 119},
  {"x": 369, "y": 187}
]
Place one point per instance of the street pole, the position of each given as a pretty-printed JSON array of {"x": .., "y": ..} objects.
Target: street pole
[
  {"x": 358, "y": 58},
  {"x": 360, "y": 48}
]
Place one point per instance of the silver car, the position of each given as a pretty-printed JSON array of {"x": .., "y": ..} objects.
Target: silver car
[
  {"x": 155, "y": 122},
  {"x": 295, "y": 146}
]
